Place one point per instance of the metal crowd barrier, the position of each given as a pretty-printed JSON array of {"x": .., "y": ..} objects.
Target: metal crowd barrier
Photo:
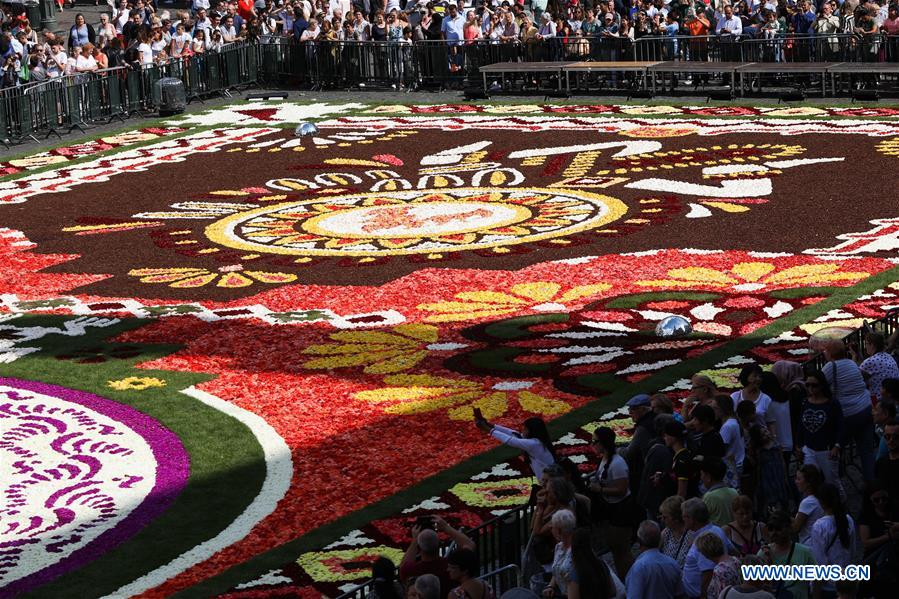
[
  {"x": 71, "y": 102},
  {"x": 75, "y": 101},
  {"x": 887, "y": 325}
]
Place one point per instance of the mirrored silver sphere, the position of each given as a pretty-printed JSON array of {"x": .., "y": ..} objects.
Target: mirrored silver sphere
[
  {"x": 304, "y": 129},
  {"x": 673, "y": 326}
]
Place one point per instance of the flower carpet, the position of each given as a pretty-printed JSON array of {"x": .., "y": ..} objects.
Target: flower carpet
[{"x": 238, "y": 362}]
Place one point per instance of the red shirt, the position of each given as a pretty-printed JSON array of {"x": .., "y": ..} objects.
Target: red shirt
[{"x": 244, "y": 8}]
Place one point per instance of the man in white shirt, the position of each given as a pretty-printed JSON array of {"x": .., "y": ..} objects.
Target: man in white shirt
[
  {"x": 59, "y": 55},
  {"x": 203, "y": 23},
  {"x": 229, "y": 32},
  {"x": 728, "y": 24}
]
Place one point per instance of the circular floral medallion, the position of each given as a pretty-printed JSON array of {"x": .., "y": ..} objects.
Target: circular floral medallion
[
  {"x": 415, "y": 221},
  {"x": 79, "y": 474}
]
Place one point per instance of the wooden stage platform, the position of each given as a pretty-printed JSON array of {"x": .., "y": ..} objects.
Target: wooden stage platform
[{"x": 734, "y": 74}]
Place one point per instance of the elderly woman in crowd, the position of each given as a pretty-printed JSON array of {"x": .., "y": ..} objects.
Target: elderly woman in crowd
[
  {"x": 727, "y": 569},
  {"x": 563, "y": 524},
  {"x": 676, "y": 538}
]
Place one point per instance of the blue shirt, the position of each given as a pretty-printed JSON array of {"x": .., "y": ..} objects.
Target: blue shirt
[
  {"x": 299, "y": 26},
  {"x": 696, "y": 563},
  {"x": 802, "y": 23},
  {"x": 654, "y": 575}
]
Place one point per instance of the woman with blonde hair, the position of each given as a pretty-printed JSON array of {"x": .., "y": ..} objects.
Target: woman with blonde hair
[
  {"x": 744, "y": 533},
  {"x": 676, "y": 539}
]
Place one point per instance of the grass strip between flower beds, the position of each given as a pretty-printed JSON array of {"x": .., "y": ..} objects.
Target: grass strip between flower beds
[
  {"x": 313, "y": 540},
  {"x": 227, "y": 466}
]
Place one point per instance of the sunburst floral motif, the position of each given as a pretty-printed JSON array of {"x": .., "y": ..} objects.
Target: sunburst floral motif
[
  {"x": 541, "y": 296},
  {"x": 226, "y": 276},
  {"x": 380, "y": 352},
  {"x": 754, "y": 276},
  {"x": 413, "y": 394}
]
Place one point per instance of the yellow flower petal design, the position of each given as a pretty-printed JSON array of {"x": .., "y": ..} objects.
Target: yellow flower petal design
[
  {"x": 347, "y": 360},
  {"x": 418, "y": 407},
  {"x": 334, "y": 349},
  {"x": 732, "y": 208},
  {"x": 537, "y": 404},
  {"x": 169, "y": 278},
  {"x": 368, "y": 337},
  {"x": 453, "y": 317},
  {"x": 232, "y": 280},
  {"x": 491, "y": 406},
  {"x": 135, "y": 383},
  {"x": 466, "y": 307},
  {"x": 752, "y": 271},
  {"x": 402, "y": 394},
  {"x": 426, "y": 380},
  {"x": 813, "y": 273},
  {"x": 582, "y": 291},
  {"x": 700, "y": 274},
  {"x": 490, "y": 297},
  {"x": 398, "y": 363},
  {"x": 197, "y": 281},
  {"x": 539, "y": 292},
  {"x": 272, "y": 277},
  {"x": 422, "y": 332}
]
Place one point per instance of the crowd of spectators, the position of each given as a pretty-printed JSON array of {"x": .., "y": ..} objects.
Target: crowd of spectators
[
  {"x": 755, "y": 477},
  {"x": 136, "y": 33}
]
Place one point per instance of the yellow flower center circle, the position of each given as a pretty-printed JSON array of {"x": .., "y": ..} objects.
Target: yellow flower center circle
[{"x": 415, "y": 221}]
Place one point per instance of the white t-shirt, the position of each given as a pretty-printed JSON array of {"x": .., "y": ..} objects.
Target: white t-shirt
[
  {"x": 539, "y": 456},
  {"x": 614, "y": 469},
  {"x": 120, "y": 20},
  {"x": 181, "y": 42},
  {"x": 761, "y": 407},
  {"x": 812, "y": 510},
  {"x": 85, "y": 63},
  {"x": 146, "y": 53},
  {"x": 157, "y": 47},
  {"x": 733, "y": 441},
  {"x": 826, "y": 546},
  {"x": 779, "y": 413}
]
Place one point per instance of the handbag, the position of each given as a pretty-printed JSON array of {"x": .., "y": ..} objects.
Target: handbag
[{"x": 781, "y": 591}]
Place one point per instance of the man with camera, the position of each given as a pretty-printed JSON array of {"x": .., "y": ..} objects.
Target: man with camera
[{"x": 423, "y": 555}]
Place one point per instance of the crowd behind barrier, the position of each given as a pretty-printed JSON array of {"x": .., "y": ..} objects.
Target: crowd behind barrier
[
  {"x": 72, "y": 102},
  {"x": 68, "y": 102}
]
